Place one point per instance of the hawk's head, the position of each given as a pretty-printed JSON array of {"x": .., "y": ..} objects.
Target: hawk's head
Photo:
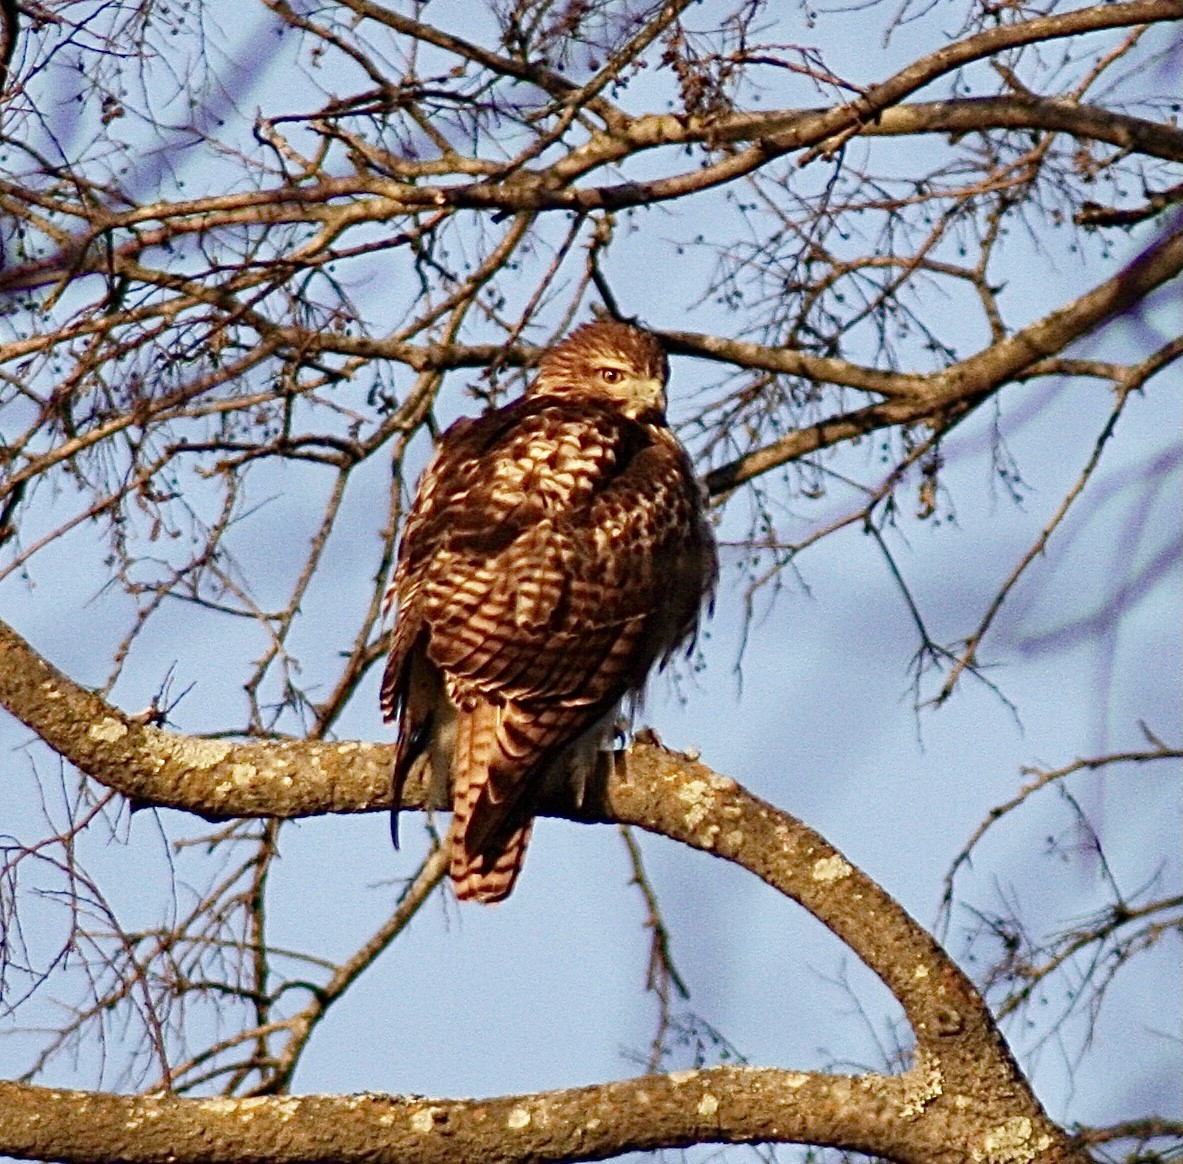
[{"x": 607, "y": 360}]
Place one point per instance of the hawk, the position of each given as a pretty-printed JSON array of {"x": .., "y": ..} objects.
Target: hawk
[{"x": 556, "y": 550}]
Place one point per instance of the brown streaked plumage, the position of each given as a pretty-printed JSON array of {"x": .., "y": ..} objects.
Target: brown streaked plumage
[{"x": 556, "y": 550}]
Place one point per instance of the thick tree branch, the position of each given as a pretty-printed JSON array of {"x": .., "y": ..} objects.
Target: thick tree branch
[
  {"x": 964, "y": 1088},
  {"x": 906, "y": 1118},
  {"x": 212, "y": 778}
]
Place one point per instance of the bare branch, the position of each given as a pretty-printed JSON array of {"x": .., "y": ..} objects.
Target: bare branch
[{"x": 946, "y": 397}]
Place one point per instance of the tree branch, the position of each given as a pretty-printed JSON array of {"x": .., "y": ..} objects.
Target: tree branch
[
  {"x": 963, "y": 1093},
  {"x": 773, "y": 134},
  {"x": 955, "y": 391},
  {"x": 214, "y": 779},
  {"x": 897, "y": 1117}
]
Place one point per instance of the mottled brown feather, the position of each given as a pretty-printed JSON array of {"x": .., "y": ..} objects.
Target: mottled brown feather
[{"x": 556, "y": 550}]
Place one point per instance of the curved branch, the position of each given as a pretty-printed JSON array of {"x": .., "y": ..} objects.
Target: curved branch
[
  {"x": 963, "y": 1091},
  {"x": 738, "y": 1105}
]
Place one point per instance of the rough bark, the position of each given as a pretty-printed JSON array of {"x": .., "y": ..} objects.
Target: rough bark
[
  {"x": 964, "y": 1097},
  {"x": 916, "y": 1116}
]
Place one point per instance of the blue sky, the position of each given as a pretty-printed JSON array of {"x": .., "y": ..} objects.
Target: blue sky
[{"x": 815, "y": 713}]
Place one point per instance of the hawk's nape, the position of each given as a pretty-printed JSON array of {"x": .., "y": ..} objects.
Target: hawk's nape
[{"x": 557, "y": 550}]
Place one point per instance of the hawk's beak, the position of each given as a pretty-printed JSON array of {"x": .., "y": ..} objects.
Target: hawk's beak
[{"x": 649, "y": 394}]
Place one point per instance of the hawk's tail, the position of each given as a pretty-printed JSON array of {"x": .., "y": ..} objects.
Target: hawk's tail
[
  {"x": 487, "y": 839},
  {"x": 488, "y": 877}
]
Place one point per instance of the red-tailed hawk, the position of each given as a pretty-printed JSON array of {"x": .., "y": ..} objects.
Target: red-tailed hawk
[{"x": 556, "y": 550}]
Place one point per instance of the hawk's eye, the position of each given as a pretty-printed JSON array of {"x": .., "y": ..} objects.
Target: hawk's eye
[{"x": 611, "y": 375}]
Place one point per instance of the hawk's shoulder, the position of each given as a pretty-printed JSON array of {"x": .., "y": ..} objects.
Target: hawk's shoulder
[{"x": 497, "y": 474}]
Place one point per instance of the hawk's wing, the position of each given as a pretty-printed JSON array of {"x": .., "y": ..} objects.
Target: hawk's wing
[{"x": 556, "y": 550}]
